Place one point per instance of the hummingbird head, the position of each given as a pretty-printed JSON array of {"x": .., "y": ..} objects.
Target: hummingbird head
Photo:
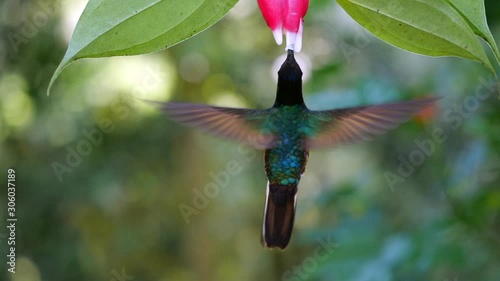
[
  {"x": 289, "y": 82},
  {"x": 290, "y": 70}
]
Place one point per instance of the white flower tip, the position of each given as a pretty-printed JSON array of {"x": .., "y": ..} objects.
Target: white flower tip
[
  {"x": 278, "y": 35},
  {"x": 298, "y": 39},
  {"x": 298, "y": 46},
  {"x": 294, "y": 40},
  {"x": 290, "y": 41}
]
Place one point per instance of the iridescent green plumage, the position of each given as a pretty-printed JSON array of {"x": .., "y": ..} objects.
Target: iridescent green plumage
[
  {"x": 285, "y": 161},
  {"x": 287, "y": 131}
]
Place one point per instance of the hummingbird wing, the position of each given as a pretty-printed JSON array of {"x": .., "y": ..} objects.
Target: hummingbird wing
[
  {"x": 351, "y": 125},
  {"x": 243, "y": 125}
]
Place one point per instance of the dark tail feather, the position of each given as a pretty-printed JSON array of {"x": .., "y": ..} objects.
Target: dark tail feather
[{"x": 279, "y": 215}]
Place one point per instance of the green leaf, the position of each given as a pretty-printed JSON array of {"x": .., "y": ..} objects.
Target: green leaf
[
  {"x": 473, "y": 11},
  {"x": 427, "y": 27},
  {"x": 117, "y": 28}
]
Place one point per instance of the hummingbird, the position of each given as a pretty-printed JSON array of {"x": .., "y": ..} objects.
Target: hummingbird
[{"x": 286, "y": 132}]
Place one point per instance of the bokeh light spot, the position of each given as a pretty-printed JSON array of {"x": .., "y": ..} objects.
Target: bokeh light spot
[
  {"x": 17, "y": 107},
  {"x": 194, "y": 68}
]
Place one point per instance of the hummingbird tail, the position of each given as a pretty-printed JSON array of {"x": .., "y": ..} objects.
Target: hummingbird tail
[{"x": 279, "y": 215}]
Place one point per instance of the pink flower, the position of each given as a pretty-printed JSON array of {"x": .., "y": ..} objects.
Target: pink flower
[{"x": 287, "y": 14}]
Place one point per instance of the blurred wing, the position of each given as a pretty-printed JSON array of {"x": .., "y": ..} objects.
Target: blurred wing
[
  {"x": 244, "y": 125},
  {"x": 351, "y": 125}
]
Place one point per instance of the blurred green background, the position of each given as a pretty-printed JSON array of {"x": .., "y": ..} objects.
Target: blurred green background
[{"x": 101, "y": 176}]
